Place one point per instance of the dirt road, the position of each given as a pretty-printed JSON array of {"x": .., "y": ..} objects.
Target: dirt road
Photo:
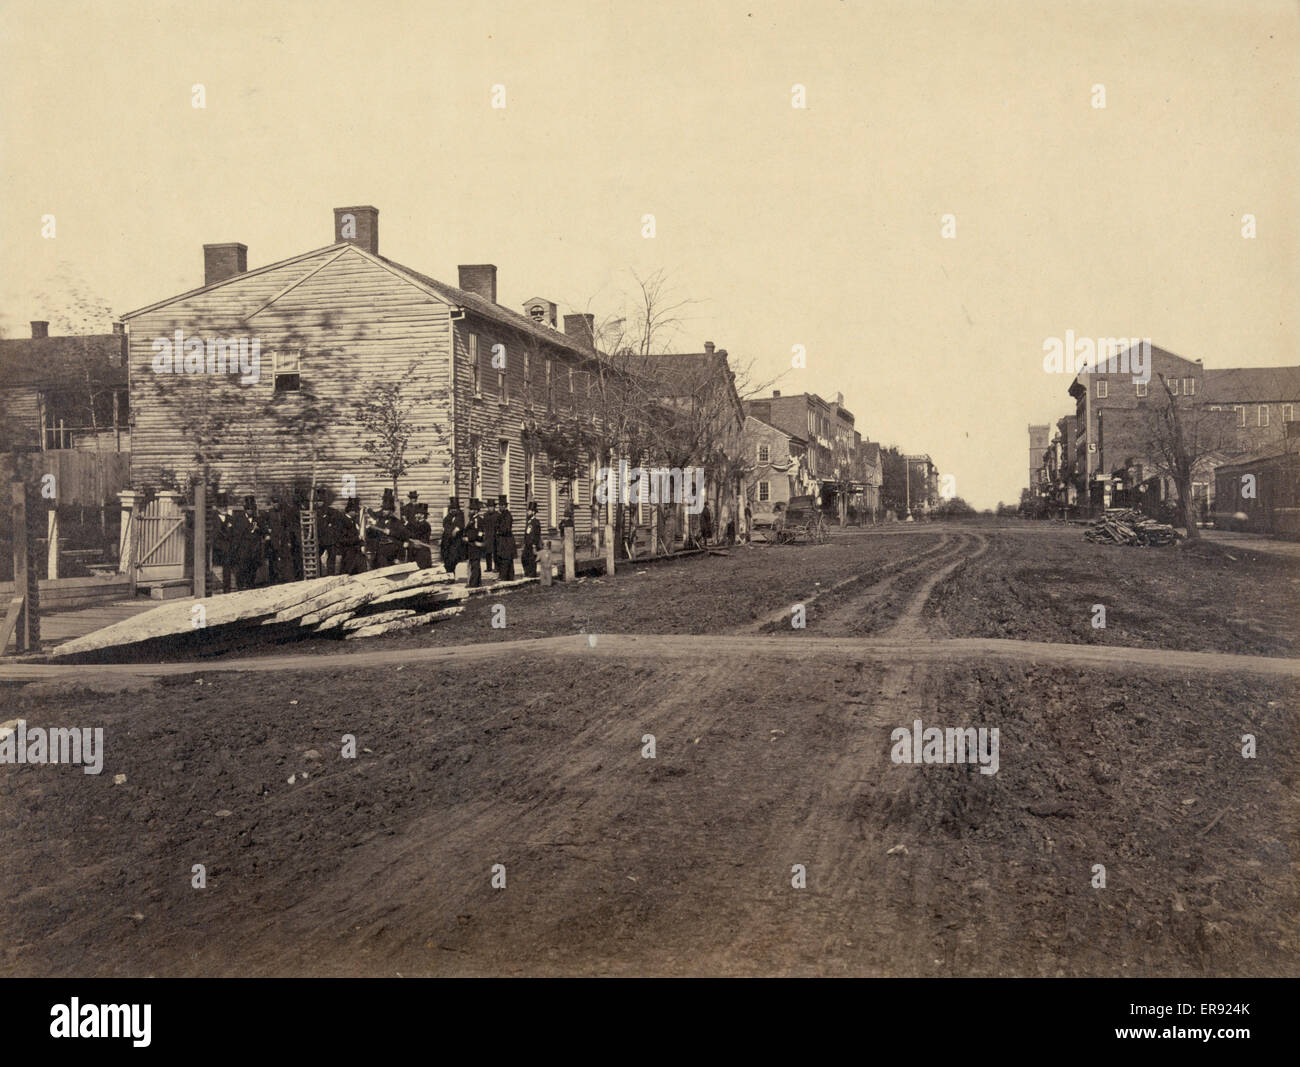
[{"x": 772, "y": 753}]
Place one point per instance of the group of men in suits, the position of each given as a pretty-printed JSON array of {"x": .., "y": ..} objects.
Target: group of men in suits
[
  {"x": 248, "y": 540},
  {"x": 486, "y": 539},
  {"x": 265, "y": 547}
]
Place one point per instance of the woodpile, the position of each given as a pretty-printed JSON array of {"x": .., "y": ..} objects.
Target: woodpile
[
  {"x": 348, "y": 606},
  {"x": 1130, "y": 528}
]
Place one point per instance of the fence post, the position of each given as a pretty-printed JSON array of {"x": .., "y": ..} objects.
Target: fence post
[
  {"x": 609, "y": 551},
  {"x": 200, "y": 539},
  {"x": 27, "y": 630},
  {"x": 569, "y": 555},
  {"x": 546, "y": 562}
]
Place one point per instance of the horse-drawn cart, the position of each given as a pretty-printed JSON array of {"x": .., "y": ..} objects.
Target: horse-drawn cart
[{"x": 801, "y": 519}]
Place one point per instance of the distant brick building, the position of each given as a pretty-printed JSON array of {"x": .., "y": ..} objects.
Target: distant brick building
[{"x": 779, "y": 468}]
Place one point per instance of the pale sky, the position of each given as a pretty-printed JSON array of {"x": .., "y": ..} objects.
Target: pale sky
[{"x": 818, "y": 227}]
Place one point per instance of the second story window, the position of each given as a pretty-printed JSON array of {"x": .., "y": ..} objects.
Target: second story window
[
  {"x": 1141, "y": 388},
  {"x": 550, "y": 391},
  {"x": 1103, "y": 389},
  {"x": 499, "y": 360},
  {"x": 528, "y": 383},
  {"x": 1288, "y": 413},
  {"x": 476, "y": 368},
  {"x": 1240, "y": 409},
  {"x": 286, "y": 367},
  {"x": 764, "y": 454},
  {"x": 1262, "y": 416},
  {"x": 1189, "y": 387}
]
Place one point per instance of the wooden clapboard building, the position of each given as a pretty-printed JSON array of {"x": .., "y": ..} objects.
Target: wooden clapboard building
[{"x": 327, "y": 328}]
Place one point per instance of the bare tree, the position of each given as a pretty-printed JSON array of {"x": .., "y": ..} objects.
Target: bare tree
[
  {"x": 1182, "y": 438},
  {"x": 390, "y": 416}
]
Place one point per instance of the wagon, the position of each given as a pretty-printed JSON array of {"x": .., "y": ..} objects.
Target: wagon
[{"x": 802, "y": 518}]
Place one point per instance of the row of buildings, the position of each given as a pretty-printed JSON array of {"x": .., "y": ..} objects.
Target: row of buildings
[
  {"x": 1112, "y": 449},
  {"x": 802, "y": 445},
  {"x": 277, "y": 377}
]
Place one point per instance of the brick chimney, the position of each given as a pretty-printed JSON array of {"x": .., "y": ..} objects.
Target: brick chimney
[
  {"x": 708, "y": 348},
  {"x": 358, "y": 226},
  {"x": 223, "y": 261},
  {"x": 40, "y": 328},
  {"x": 480, "y": 279},
  {"x": 776, "y": 392},
  {"x": 582, "y": 328}
]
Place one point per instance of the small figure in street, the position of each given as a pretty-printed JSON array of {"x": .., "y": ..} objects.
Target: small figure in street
[
  {"x": 706, "y": 524},
  {"x": 532, "y": 540},
  {"x": 474, "y": 543},
  {"x": 505, "y": 545},
  {"x": 749, "y": 523}
]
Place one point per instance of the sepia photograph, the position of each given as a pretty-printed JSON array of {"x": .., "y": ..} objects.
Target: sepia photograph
[{"x": 729, "y": 489}]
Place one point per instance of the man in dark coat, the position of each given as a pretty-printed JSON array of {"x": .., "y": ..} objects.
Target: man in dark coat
[
  {"x": 488, "y": 518},
  {"x": 327, "y": 533},
  {"x": 281, "y": 527},
  {"x": 505, "y": 541},
  {"x": 532, "y": 540},
  {"x": 246, "y": 544},
  {"x": 453, "y": 535},
  {"x": 421, "y": 555},
  {"x": 386, "y": 535},
  {"x": 475, "y": 541},
  {"x": 706, "y": 524},
  {"x": 221, "y": 531},
  {"x": 408, "y": 509},
  {"x": 348, "y": 543}
]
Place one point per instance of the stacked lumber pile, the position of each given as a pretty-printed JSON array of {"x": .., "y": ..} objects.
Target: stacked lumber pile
[
  {"x": 1130, "y": 528},
  {"x": 345, "y": 606}
]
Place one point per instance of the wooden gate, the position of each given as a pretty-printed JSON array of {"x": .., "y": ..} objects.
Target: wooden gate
[{"x": 161, "y": 537}]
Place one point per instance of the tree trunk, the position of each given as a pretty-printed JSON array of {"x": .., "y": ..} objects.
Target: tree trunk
[{"x": 1187, "y": 506}]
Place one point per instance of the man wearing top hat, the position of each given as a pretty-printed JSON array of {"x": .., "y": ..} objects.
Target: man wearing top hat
[
  {"x": 475, "y": 541},
  {"x": 348, "y": 542},
  {"x": 421, "y": 555},
  {"x": 488, "y": 517},
  {"x": 453, "y": 532},
  {"x": 505, "y": 545},
  {"x": 532, "y": 540},
  {"x": 245, "y": 544},
  {"x": 408, "y": 509}
]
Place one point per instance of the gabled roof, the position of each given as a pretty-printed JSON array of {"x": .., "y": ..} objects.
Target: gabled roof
[
  {"x": 871, "y": 451},
  {"x": 448, "y": 294},
  {"x": 1248, "y": 384},
  {"x": 777, "y": 429},
  {"x": 50, "y": 362}
]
